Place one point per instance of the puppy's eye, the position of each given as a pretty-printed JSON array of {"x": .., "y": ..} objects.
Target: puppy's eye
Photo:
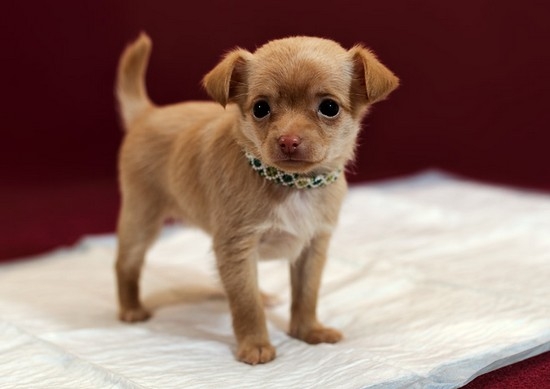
[
  {"x": 329, "y": 108},
  {"x": 261, "y": 109}
]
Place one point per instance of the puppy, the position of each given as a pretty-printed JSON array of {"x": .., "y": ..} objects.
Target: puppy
[{"x": 260, "y": 170}]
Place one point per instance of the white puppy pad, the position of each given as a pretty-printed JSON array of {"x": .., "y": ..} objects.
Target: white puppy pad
[{"x": 432, "y": 280}]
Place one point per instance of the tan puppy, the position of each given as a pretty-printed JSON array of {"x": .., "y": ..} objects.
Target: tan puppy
[{"x": 263, "y": 176}]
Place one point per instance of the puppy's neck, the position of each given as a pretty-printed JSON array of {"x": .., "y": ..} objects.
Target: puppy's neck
[{"x": 294, "y": 180}]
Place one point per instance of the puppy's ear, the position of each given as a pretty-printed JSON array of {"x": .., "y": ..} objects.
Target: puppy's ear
[
  {"x": 227, "y": 82},
  {"x": 371, "y": 79}
]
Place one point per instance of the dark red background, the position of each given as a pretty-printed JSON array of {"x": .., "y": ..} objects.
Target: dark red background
[{"x": 474, "y": 98}]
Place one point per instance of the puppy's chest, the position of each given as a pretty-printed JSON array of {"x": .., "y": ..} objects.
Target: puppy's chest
[
  {"x": 292, "y": 224},
  {"x": 300, "y": 215}
]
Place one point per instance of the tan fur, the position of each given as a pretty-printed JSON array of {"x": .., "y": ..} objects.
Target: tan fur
[{"x": 187, "y": 161}]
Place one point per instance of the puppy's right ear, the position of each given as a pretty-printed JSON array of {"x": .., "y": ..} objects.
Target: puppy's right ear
[{"x": 227, "y": 82}]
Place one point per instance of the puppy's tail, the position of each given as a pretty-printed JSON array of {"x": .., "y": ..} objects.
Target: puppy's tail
[{"x": 130, "y": 84}]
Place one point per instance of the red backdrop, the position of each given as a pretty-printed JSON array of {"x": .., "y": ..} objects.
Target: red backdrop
[{"x": 474, "y": 97}]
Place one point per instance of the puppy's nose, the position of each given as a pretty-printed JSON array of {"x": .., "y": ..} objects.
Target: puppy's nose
[{"x": 289, "y": 143}]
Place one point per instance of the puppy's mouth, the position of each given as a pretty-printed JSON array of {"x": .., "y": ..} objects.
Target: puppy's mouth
[{"x": 295, "y": 165}]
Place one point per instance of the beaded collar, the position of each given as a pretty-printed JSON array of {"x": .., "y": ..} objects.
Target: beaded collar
[{"x": 295, "y": 180}]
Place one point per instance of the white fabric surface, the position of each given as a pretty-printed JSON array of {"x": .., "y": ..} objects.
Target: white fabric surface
[{"x": 433, "y": 281}]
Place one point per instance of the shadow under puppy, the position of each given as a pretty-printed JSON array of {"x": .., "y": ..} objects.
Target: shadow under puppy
[{"x": 264, "y": 176}]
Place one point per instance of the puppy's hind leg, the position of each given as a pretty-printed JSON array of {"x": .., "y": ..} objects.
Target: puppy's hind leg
[{"x": 138, "y": 225}]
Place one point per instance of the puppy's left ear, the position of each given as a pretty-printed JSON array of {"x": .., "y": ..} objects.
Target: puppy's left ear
[
  {"x": 227, "y": 82},
  {"x": 371, "y": 79}
]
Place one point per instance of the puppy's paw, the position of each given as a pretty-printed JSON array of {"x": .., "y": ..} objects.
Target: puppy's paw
[
  {"x": 318, "y": 335},
  {"x": 132, "y": 315},
  {"x": 253, "y": 353}
]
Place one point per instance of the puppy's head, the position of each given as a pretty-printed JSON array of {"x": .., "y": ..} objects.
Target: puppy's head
[{"x": 302, "y": 100}]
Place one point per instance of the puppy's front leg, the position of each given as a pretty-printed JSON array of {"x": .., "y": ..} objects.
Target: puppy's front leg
[
  {"x": 237, "y": 265},
  {"x": 305, "y": 276}
]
